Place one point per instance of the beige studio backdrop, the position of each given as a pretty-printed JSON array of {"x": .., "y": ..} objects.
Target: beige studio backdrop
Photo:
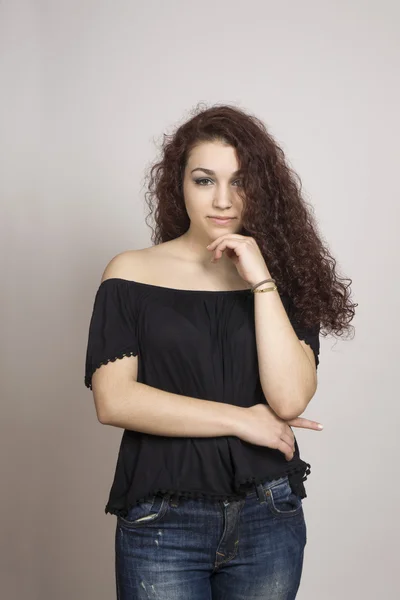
[{"x": 88, "y": 87}]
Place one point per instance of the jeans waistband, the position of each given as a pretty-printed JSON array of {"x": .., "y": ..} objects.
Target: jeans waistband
[
  {"x": 259, "y": 488},
  {"x": 248, "y": 489}
]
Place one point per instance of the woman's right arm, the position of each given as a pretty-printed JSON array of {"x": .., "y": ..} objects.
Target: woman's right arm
[{"x": 123, "y": 402}]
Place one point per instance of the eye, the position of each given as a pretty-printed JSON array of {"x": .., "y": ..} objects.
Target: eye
[{"x": 198, "y": 181}]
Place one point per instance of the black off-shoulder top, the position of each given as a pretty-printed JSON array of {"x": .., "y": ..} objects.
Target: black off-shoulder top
[{"x": 197, "y": 343}]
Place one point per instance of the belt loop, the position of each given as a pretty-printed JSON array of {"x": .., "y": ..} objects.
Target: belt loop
[
  {"x": 174, "y": 501},
  {"x": 260, "y": 493}
]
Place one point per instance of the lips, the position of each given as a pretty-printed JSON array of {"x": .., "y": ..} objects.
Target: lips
[{"x": 221, "y": 219}]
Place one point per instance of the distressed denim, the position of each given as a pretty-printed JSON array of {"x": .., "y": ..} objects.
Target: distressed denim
[{"x": 251, "y": 548}]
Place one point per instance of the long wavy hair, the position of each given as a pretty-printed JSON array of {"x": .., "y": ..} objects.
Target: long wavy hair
[{"x": 274, "y": 212}]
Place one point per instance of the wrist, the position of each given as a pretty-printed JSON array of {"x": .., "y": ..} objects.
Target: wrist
[{"x": 236, "y": 419}]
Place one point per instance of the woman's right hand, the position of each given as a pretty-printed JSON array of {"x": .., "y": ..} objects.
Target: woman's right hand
[{"x": 262, "y": 426}]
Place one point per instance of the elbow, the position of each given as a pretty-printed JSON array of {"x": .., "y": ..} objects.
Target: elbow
[
  {"x": 103, "y": 419},
  {"x": 291, "y": 413},
  {"x": 290, "y": 410},
  {"x": 103, "y": 416},
  {"x": 102, "y": 410},
  {"x": 110, "y": 404}
]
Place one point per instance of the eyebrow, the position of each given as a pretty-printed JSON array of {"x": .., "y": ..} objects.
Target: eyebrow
[{"x": 210, "y": 172}]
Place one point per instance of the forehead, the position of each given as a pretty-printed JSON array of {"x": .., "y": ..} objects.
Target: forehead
[{"x": 213, "y": 155}]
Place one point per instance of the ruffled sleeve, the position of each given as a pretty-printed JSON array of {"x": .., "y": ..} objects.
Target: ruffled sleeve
[
  {"x": 112, "y": 329},
  {"x": 309, "y": 334}
]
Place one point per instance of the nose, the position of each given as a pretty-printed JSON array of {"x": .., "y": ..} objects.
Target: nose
[{"x": 222, "y": 198}]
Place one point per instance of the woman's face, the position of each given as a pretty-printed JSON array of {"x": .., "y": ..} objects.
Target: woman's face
[{"x": 210, "y": 188}]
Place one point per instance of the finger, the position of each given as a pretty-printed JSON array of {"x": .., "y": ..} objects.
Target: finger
[
  {"x": 305, "y": 423},
  {"x": 289, "y": 440},
  {"x": 217, "y": 241},
  {"x": 226, "y": 243},
  {"x": 289, "y": 432},
  {"x": 236, "y": 236},
  {"x": 218, "y": 252},
  {"x": 286, "y": 448}
]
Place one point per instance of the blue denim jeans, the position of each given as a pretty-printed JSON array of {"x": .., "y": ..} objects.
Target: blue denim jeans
[{"x": 250, "y": 548}]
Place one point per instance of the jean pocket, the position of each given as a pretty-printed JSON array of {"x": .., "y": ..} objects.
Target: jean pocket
[
  {"x": 282, "y": 501},
  {"x": 146, "y": 512}
]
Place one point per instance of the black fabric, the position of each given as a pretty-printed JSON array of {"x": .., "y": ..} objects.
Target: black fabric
[{"x": 195, "y": 343}]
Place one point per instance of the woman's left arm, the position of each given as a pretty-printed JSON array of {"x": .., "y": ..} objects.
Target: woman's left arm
[{"x": 286, "y": 364}]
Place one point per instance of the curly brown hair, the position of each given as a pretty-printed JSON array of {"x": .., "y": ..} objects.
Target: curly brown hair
[{"x": 274, "y": 212}]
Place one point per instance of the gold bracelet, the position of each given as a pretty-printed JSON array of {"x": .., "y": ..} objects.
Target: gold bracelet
[
  {"x": 270, "y": 289},
  {"x": 253, "y": 289},
  {"x": 260, "y": 282}
]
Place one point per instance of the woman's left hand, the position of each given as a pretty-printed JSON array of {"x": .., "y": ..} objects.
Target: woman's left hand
[{"x": 245, "y": 254}]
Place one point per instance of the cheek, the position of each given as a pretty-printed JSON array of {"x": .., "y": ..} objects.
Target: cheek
[
  {"x": 195, "y": 203},
  {"x": 194, "y": 211}
]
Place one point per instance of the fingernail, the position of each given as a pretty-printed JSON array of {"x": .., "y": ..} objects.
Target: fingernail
[{"x": 320, "y": 426}]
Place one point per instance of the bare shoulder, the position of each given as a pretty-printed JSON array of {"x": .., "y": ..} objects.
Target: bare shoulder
[{"x": 132, "y": 264}]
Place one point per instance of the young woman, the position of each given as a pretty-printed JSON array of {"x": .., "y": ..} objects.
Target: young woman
[{"x": 204, "y": 348}]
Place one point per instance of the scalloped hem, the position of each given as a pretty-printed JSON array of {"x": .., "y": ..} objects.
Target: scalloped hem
[
  {"x": 88, "y": 378},
  {"x": 296, "y": 474}
]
